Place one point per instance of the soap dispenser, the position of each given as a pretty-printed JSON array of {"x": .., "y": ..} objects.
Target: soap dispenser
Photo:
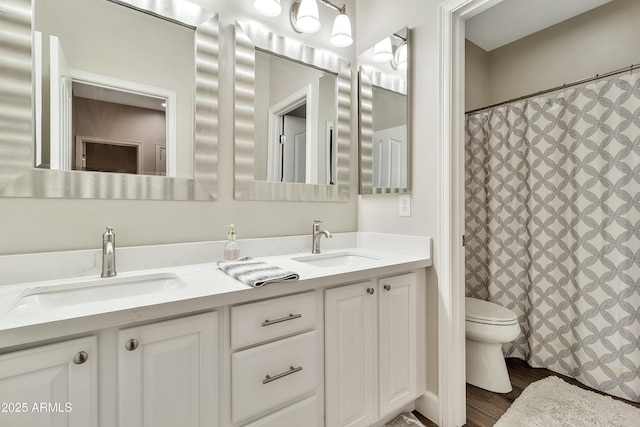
[{"x": 231, "y": 248}]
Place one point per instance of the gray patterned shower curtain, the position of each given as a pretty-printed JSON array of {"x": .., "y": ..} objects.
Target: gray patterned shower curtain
[{"x": 553, "y": 228}]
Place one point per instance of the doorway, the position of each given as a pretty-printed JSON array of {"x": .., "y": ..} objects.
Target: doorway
[{"x": 289, "y": 138}]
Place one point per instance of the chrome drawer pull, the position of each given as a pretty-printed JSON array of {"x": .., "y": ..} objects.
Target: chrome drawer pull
[
  {"x": 282, "y": 319},
  {"x": 268, "y": 378}
]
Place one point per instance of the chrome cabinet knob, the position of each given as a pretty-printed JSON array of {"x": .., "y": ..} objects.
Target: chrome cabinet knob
[
  {"x": 387, "y": 287},
  {"x": 370, "y": 291},
  {"x": 132, "y": 344},
  {"x": 80, "y": 357}
]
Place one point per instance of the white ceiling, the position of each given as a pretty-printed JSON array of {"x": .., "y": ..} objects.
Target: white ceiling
[{"x": 511, "y": 20}]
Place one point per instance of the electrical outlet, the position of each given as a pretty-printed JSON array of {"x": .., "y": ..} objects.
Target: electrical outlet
[{"x": 405, "y": 204}]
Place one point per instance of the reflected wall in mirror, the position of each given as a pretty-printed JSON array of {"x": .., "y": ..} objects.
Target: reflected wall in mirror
[
  {"x": 383, "y": 116},
  {"x": 117, "y": 131},
  {"x": 292, "y": 126},
  {"x": 105, "y": 76},
  {"x": 295, "y": 114},
  {"x": 102, "y": 70}
]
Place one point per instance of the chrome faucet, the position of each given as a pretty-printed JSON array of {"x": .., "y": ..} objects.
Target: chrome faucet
[
  {"x": 108, "y": 253},
  {"x": 317, "y": 234}
]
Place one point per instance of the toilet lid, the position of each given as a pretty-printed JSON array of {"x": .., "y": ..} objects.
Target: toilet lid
[{"x": 480, "y": 311}]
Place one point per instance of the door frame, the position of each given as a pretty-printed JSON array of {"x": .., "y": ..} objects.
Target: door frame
[
  {"x": 81, "y": 140},
  {"x": 452, "y": 15},
  {"x": 279, "y": 109}
]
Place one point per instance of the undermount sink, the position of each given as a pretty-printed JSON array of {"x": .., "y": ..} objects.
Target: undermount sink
[
  {"x": 341, "y": 259},
  {"x": 95, "y": 290}
]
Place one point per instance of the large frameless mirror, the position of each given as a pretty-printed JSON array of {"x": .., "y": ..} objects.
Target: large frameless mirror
[
  {"x": 384, "y": 116},
  {"x": 113, "y": 99},
  {"x": 291, "y": 119}
]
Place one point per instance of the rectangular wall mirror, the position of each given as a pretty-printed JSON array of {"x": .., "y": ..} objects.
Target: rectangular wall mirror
[
  {"x": 110, "y": 99},
  {"x": 383, "y": 116},
  {"x": 291, "y": 119}
]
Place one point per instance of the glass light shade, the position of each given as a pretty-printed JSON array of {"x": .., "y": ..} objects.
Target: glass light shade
[
  {"x": 341, "y": 33},
  {"x": 400, "y": 57},
  {"x": 383, "y": 51},
  {"x": 268, "y": 7},
  {"x": 308, "y": 19}
]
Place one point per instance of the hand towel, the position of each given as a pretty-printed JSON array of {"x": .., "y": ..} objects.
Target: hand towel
[{"x": 256, "y": 273}]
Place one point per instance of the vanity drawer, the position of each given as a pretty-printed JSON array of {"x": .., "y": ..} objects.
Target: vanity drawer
[
  {"x": 273, "y": 374},
  {"x": 265, "y": 320},
  {"x": 305, "y": 412}
]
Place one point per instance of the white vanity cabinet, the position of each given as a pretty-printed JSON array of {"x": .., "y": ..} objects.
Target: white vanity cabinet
[
  {"x": 340, "y": 347},
  {"x": 51, "y": 385},
  {"x": 168, "y": 373},
  {"x": 276, "y": 368},
  {"x": 370, "y": 349}
]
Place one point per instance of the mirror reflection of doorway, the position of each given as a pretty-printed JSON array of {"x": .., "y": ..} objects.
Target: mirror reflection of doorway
[
  {"x": 100, "y": 155},
  {"x": 293, "y": 146},
  {"x": 107, "y": 109},
  {"x": 289, "y": 138}
]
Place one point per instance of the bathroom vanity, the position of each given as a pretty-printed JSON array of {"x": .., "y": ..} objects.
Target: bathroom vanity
[{"x": 342, "y": 346}]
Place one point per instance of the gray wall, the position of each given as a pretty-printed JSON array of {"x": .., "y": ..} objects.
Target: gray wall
[
  {"x": 476, "y": 85},
  {"x": 598, "y": 41},
  {"x": 389, "y": 109}
]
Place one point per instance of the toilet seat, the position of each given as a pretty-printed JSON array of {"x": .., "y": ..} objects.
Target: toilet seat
[{"x": 488, "y": 313}]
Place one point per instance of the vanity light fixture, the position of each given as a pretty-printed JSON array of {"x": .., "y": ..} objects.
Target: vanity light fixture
[
  {"x": 306, "y": 19},
  {"x": 269, "y": 8},
  {"x": 383, "y": 50},
  {"x": 399, "y": 60},
  {"x": 341, "y": 32}
]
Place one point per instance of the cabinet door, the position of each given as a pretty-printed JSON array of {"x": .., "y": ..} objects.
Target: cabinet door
[
  {"x": 52, "y": 385},
  {"x": 397, "y": 342},
  {"x": 350, "y": 343},
  {"x": 168, "y": 373}
]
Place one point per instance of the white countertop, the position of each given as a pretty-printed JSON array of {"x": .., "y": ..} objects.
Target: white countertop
[{"x": 207, "y": 288}]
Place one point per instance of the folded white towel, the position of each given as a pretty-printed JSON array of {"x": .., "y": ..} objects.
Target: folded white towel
[{"x": 256, "y": 273}]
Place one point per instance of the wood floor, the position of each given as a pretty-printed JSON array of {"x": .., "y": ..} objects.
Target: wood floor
[{"x": 484, "y": 408}]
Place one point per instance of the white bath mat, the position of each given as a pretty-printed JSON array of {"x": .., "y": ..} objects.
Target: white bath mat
[
  {"x": 408, "y": 420},
  {"x": 552, "y": 402}
]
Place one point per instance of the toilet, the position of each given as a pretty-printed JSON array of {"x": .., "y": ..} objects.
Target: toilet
[{"x": 487, "y": 327}]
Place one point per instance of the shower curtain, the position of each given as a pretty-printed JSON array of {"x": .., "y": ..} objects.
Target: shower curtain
[{"x": 553, "y": 228}]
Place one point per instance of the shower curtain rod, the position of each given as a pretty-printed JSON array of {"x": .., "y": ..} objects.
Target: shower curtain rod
[{"x": 564, "y": 86}]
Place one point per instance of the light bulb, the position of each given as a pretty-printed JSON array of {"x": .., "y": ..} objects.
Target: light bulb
[
  {"x": 341, "y": 33},
  {"x": 268, "y": 7}
]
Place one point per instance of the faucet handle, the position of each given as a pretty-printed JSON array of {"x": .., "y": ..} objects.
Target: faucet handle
[
  {"x": 317, "y": 221},
  {"x": 109, "y": 234}
]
